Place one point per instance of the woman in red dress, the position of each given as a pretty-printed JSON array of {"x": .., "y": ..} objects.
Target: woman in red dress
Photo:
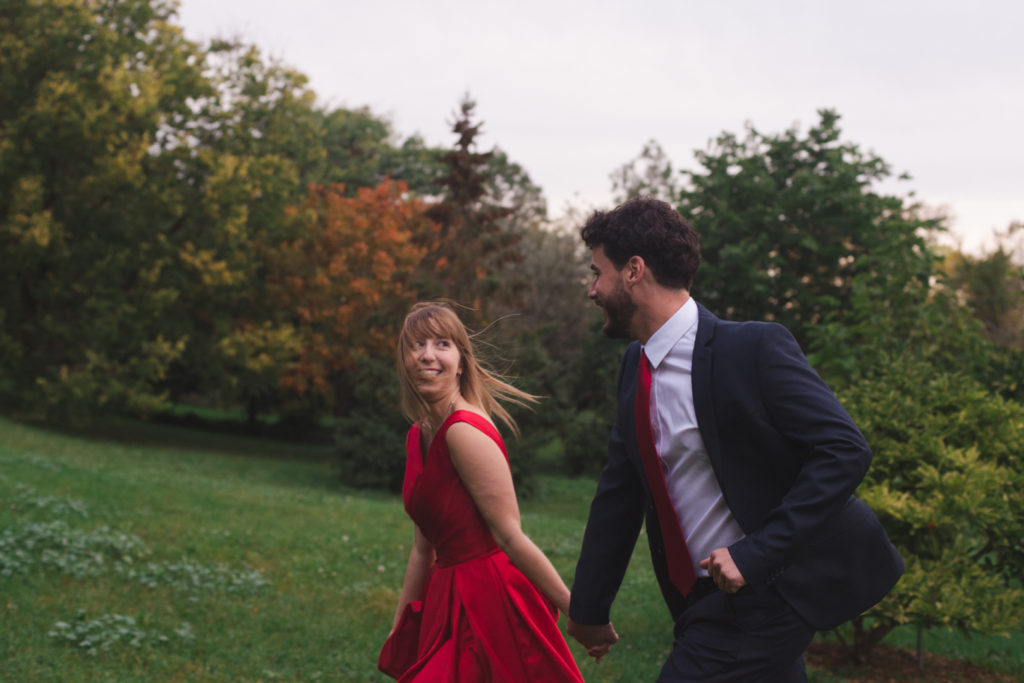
[{"x": 487, "y": 596}]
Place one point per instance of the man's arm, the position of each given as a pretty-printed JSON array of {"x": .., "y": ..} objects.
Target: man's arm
[
  {"x": 806, "y": 412},
  {"x": 616, "y": 515}
]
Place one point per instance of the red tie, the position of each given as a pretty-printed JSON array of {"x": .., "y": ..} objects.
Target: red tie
[{"x": 680, "y": 567}]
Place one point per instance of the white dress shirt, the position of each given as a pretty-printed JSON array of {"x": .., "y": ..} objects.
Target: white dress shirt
[{"x": 705, "y": 518}]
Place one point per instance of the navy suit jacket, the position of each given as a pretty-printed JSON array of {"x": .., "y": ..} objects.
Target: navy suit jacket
[{"x": 788, "y": 458}]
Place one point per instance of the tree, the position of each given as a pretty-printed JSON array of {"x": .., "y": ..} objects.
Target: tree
[
  {"x": 650, "y": 174},
  {"x": 344, "y": 280},
  {"x": 550, "y": 335},
  {"x": 255, "y": 144},
  {"x": 363, "y": 151},
  {"x": 86, "y": 202},
  {"x": 553, "y": 335},
  {"x": 993, "y": 285},
  {"x": 787, "y": 222},
  {"x": 143, "y": 181},
  {"x": 240, "y": 154},
  {"x": 473, "y": 242}
]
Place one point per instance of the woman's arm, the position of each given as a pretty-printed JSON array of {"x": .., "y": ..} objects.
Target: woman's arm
[
  {"x": 486, "y": 475},
  {"x": 421, "y": 559}
]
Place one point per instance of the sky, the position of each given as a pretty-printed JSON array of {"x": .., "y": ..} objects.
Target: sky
[{"x": 573, "y": 89}]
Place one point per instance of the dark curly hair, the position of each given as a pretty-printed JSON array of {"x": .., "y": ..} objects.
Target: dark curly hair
[{"x": 651, "y": 229}]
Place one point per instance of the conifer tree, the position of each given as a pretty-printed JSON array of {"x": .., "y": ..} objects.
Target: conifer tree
[{"x": 466, "y": 253}]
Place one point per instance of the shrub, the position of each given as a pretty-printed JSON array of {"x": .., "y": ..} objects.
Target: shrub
[{"x": 946, "y": 481}]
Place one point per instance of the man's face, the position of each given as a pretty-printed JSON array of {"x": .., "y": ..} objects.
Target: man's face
[{"x": 606, "y": 291}]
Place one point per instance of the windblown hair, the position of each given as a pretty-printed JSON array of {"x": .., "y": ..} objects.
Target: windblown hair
[
  {"x": 651, "y": 229},
  {"x": 478, "y": 385}
]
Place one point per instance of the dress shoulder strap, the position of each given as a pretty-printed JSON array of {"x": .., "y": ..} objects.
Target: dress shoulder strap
[{"x": 478, "y": 421}]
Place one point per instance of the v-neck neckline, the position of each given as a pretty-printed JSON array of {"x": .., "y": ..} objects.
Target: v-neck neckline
[{"x": 443, "y": 426}]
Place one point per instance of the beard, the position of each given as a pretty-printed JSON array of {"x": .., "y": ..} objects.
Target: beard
[{"x": 618, "y": 310}]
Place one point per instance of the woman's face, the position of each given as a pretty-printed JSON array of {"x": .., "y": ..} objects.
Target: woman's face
[{"x": 434, "y": 365}]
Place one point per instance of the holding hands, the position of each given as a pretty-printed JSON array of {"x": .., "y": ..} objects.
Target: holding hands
[{"x": 597, "y": 638}]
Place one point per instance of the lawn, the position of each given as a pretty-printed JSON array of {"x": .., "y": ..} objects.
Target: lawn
[{"x": 234, "y": 560}]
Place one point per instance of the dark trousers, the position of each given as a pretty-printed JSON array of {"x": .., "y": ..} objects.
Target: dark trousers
[{"x": 751, "y": 635}]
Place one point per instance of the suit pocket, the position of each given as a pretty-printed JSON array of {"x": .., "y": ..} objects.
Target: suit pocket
[{"x": 711, "y": 624}]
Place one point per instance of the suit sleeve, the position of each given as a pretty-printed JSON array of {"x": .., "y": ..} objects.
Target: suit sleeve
[
  {"x": 616, "y": 515},
  {"x": 834, "y": 456}
]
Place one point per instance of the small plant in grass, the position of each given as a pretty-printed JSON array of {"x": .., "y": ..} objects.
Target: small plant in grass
[
  {"x": 108, "y": 631},
  {"x": 187, "y": 575},
  {"x": 26, "y": 497},
  {"x": 34, "y": 459},
  {"x": 56, "y": 546}
]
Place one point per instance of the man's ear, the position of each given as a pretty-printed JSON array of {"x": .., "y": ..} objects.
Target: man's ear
[{"x": 634, "y": 269}]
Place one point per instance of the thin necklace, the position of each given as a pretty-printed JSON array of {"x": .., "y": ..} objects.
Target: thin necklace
[
  {"x": 427, "y": 431},
  {"x": 451, "y": 409}
]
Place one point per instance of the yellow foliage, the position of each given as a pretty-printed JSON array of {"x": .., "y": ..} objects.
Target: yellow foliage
[
  {"x": 213, "y": 272},
  {"x": 28, "y": 222}
]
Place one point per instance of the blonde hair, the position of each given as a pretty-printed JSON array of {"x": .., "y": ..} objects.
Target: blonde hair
[{"x": 477, "y": 384}]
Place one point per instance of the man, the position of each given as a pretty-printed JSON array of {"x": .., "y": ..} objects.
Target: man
[{"x": 742, "y": 461}]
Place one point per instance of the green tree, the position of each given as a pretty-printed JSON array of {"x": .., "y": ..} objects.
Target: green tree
[
  {"x": 87, "y": 202},
  {"x": 788, "y": 221},
  {"x": 993, "y": 285},
  {"x": 553, "y": 334},
  {"x": 241, "y": 153},
  {"x": 548, "y": 331},
  {"x": 650, "y": 174},
  {"x": 362, "y": 150},
  {"x": 257, "y": 141}
]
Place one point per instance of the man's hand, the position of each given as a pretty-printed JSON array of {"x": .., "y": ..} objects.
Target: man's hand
[
  {"x": 598, "y": 639},
  {"x": 723, "y": 571}
]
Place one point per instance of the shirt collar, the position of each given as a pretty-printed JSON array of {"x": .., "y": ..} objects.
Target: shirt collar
[{"x": 669, "y": 334}]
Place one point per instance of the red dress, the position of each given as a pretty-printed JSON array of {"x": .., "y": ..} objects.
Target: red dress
[{"x": 482, "y": 619}]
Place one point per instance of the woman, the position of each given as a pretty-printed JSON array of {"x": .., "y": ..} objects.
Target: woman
[{"x": 489, "y": 595}]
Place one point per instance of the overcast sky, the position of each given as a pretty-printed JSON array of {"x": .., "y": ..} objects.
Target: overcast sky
[{"x": 572, "y": 89}]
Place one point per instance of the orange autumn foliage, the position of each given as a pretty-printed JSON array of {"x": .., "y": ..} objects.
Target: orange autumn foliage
[{"x": 346, "y": 277}]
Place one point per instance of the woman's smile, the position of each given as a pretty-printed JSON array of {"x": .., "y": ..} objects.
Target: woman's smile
[{"x": 434, "y": 364}]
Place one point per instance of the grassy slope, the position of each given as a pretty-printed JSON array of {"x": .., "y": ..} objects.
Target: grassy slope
[{"x": 332, "y": 561}]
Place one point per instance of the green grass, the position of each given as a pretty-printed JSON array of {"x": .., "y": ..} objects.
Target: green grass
[
  {"x": 332, "y": 560},
  {"x": 220, "y": 558}
]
